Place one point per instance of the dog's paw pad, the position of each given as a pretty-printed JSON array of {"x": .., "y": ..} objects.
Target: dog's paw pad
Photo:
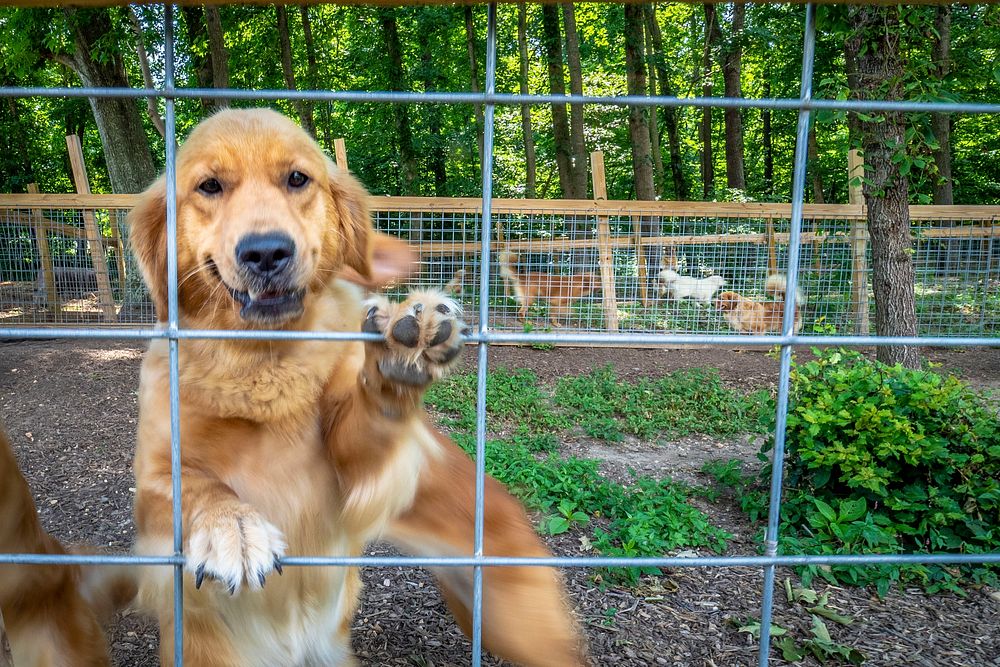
[
  {"x": 423, "y": 336},
  {"x": 235, "y": 546}
]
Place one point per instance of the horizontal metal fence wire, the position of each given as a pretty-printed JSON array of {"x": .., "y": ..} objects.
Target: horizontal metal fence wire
[{"x": 814, "y": 255}]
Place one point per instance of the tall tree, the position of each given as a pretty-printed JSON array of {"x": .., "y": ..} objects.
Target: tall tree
[
  {"x": 207, "y": 52},
  {"x": 430, "y": 75},
  {"x": 680, "y": 182},
  {"x": 732, "y": 70},
  {"x": 529, "y": 137},
  {"x": 873, "y": 45},
  {"x": 813, "y": 156},
  {"x": 578, "y": 168},
  {"x": 401, "y": 114},
  {"x": 941, "y": 122},
  {"x": 638, "y": 129},
  {"x": 147, "y": 77},
  {"x": 119, "y": 120},
  {"x": 767, "y": 141},
  {"x": 552, "y": 40},
  {"x": 654, "y": 120},
  {"x": 218, "y": 54},
  {"x": 470, "y": 45},
  {"x": 312, "y": 69},
  {"x": 302, "y": 107},
  {"x": 713, "y": 36}
]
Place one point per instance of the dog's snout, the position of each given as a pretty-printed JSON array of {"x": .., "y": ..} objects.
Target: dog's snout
[{"x": 265, "y": 255}]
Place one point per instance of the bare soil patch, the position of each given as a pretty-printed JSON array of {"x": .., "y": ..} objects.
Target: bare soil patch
[{"x": 70, "y": 409}]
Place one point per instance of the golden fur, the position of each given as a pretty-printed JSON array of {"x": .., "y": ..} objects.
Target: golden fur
[
  {"x": 560, "y": 291},
  {"x": 52, "y": 613},
  {"x": 296, "y": 448},
  {"x": 758, "y": 317}
]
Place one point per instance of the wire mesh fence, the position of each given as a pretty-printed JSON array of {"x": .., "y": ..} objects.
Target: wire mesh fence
[
  {"x": 689, "y": 258},
  {"x": 659, "y": 269}
]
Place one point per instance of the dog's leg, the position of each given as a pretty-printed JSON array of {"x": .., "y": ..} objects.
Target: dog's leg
[
  {"x": 526, "y": 618},
  {"x": 5, "y": 658}
]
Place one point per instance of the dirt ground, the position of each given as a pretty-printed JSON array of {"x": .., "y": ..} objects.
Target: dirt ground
[{"x": 70, "y": 409}]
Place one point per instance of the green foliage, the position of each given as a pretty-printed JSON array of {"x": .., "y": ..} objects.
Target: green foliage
[
  {"x": 644, "y": 518},
  {"x": 680, "y": 403},
  {"x": 884, "y": 460}
]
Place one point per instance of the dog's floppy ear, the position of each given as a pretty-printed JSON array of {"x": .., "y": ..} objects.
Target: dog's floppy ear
[
  {"x": 147, "y": 224},
  {"x": 350, "y": 205}
]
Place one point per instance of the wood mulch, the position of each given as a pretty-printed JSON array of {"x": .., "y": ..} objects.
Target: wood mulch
[{"x": 70, "y": 408}]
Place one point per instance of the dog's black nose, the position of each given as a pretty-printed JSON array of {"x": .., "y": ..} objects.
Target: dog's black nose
[{"x": 265, "y": 255}]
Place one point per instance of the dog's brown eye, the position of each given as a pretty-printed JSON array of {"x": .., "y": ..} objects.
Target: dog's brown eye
[
  {"x": 210, "y": 186},
  {"x": 297, "y": 179}
]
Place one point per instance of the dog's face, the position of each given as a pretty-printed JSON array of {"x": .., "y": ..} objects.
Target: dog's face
[
  {"x": 716, "y": 281},
  {"x": 264, "y": 221},
  {"x": 728, "y": 301},
  {"x": 668, "y": 276}
]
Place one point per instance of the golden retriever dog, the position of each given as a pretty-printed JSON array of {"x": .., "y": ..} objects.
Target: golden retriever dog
[
  {"x": 759, "y": 317},
  {"x": 298, "y": 447},
  {"x": 52, "y": 613},
  {"x": 560, "y": 291}
]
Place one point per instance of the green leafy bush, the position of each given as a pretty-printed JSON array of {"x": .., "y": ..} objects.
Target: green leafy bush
[{"x": 885, "y": 459}]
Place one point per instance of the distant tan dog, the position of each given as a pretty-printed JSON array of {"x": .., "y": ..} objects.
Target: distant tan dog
[
  {"x": 759, "y": 317},
  {"x": 560, "y": 291},
  {"x": 299, "y": 447},
  {"x": 53, "y": 613},
  {"x": 456, "y": 285}
]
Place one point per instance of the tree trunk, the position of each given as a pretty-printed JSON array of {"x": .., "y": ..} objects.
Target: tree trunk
[
  {"x": 767, "y": 141},
  {"x": 731, "y": 74},
  {"x": 578, "y": 166},
  {"x": 119, "y": 120},
  {"x": 638, "y": 129},
  {"x": 217, "y": 52},
  {"x": 313, "y": 71},
  {"x": 397, "y": 81},
  {"x": 712, "y": 37},
  {"x": 874, "y": 46},
  {"x": 681, "y": 186},
  {"x": 654, "y": 121},
  {"x": 529, "y": 137},
  {"x": 431, "y": 77},
  {"x": 470, "y": 44},
  {"x": 941, "y": 122},
  {"x": 147, "y": 77},
  {"x": 557, "y": 85},
  {"x": 303, "y": 108},
  {"x": 813, "y": 155}
]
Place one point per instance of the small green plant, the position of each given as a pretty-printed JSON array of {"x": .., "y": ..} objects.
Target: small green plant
[
  {"x": 567, "y": 516},
  {"x": 728, "y": 475}
]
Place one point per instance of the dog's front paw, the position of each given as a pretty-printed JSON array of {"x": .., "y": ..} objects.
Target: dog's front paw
[
  {"x": 234, "y": 545},
  {"x": 423, "y": 337}
]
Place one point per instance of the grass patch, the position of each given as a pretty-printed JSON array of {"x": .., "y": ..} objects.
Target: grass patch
[
  {"x": 677, "y": 404},
  {"x": 647, "y": 517}
]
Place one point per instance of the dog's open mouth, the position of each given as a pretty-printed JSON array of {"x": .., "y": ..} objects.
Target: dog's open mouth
[{"x": 271, "y": 304}]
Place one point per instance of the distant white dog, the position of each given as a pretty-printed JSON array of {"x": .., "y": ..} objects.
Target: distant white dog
[{"x": 685, "y": 287}]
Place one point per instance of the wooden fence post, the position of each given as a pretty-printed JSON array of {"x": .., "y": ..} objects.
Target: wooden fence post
[
  {"x": 340, "y": 151},
  {"x": 859, "y": 245},
  {"x": 605, "y": 254},
  {"x": 45, "y": 256},
  {"x": 94, "y": 237}
]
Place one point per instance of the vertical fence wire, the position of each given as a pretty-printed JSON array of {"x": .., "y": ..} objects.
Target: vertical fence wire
[
  {"x": 483, "y": 347},
  {"x": 788, "y": 323},
  {"x": 170, "y": 137}
]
